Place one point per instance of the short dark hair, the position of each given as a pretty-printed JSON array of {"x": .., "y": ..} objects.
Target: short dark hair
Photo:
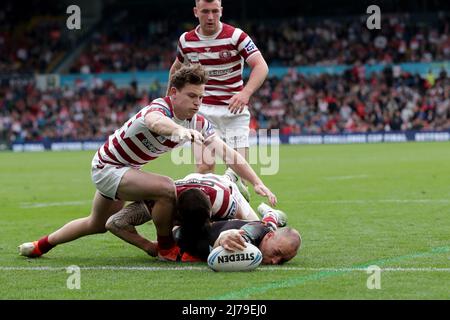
[
  {"x": 190, "y": 74},
  {"x": 193, "y": 208}
]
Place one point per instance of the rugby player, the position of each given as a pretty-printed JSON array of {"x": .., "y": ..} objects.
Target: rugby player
[{"x": 165, "y": 124}]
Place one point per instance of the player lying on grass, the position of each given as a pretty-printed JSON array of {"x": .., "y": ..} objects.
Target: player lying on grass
[
  {"x": 166, "y": 123},
  {"x": 197, "y": 235},
  {"x": 224, "y": 202},
  {"x": 277, "y": 246},
  {"x": 199, "y": 197}
]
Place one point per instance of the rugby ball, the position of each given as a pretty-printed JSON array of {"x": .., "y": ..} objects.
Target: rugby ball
[{"x": 223, "y": 260}]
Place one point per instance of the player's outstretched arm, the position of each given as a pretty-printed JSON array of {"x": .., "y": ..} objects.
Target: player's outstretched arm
[
  {"x": 165, "y": 126},
  {"x": 238, "y": 163}
]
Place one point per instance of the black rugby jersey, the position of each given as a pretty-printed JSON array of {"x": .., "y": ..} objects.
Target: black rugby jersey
[{"x": 200, "y": 242}]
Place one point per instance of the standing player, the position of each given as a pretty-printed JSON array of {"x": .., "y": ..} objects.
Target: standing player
[
  {"x": 222, "y": 50},
  {"x": 163, "y": 125}
]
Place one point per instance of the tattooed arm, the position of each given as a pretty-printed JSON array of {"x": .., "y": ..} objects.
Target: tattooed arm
[{"x": 123, "y": 223}]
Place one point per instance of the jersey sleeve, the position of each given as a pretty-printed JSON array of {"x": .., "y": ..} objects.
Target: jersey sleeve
[
  {"x": 245, "y": 46},
  {"x": 228, "y": 207},
  {"x": 255, "y": 232},
  {"x": 180, "y": 53},
  {"x": 205, "y": 127}
]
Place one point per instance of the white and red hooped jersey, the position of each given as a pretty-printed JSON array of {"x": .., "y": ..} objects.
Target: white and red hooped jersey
[
  {"x": 134, "y": 144},
  {"x": 217, "y": 188},
  {"x": 223, "y": 56}
]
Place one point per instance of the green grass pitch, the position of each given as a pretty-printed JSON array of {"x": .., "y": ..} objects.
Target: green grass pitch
[{"x": 355, "y": 205}]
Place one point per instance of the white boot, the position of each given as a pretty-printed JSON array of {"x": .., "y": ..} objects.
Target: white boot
[{"x": 278, "y": 215}]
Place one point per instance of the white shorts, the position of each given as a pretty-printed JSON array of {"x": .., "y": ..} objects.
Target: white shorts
[
  {"x": 106, "y": 177},
  {"x": 234, "y": 129}
]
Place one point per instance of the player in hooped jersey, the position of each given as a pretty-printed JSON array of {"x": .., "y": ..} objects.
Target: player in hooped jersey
[
  {"x": 222, "y": 49},
  {"x": 165, "y": 124},
  {"x": 226, "y": 200}
]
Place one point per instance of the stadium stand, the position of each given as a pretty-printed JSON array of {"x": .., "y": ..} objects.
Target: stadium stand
[
  {"x": 354, "y": 101},
  {"x": 129, "y": 46},
  {"x": 295, "y": 104}
]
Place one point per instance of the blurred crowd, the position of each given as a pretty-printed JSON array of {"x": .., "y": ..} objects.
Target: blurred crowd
[
  {"x": 388, "y": 101},
  {"x": 283, "y": 43},
  {"x": 30, "y": 114},
  {"x": 31, "y": 44},
  {"x": 401, "y": 38},
  {"x": 391, "y": 100},
  {"x": 129, "y": 46},
  {"x": 348, "y": 103}
]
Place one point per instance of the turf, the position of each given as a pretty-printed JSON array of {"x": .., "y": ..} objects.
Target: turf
[{"x": 355, "y": 205}]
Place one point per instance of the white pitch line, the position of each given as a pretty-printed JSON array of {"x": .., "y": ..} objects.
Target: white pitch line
[
  {"x": 413, "y": 201},
  {"x": 387, "y": 269},
  {"x": 113, "y": 268},
  {"x": 30, "y": 205},
  {"x": 193, "y": 268}
]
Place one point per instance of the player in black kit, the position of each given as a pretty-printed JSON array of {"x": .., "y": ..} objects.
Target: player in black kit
[{"x": 198, "y": 235}]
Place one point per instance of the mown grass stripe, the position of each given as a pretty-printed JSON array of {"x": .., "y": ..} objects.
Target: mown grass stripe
[{"x": 295, "y": 281}]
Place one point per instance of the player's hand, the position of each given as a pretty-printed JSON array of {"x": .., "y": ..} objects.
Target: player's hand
[
  {"x": 232, "y": 240},
  {"x": 196, "y": 136},
  {"x": 183, "y": 134},
  {"x": 238, "y": 102},
  {"x": 262, "y": 190},
  {"x": 152, "y": 248}
]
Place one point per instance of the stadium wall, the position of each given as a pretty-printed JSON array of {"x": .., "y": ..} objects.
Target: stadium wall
[{"x": 350, "y": 138}]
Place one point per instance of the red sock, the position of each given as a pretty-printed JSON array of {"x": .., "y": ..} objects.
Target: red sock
[
  {"x": 165, "y": 242},
  {"x": 44, "y": 245}
]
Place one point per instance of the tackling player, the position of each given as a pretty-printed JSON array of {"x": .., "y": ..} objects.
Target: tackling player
[{"x": 116, "y": 167}]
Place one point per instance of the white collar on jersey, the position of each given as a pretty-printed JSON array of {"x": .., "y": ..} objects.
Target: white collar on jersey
[{"x": 202, "y": 36}]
